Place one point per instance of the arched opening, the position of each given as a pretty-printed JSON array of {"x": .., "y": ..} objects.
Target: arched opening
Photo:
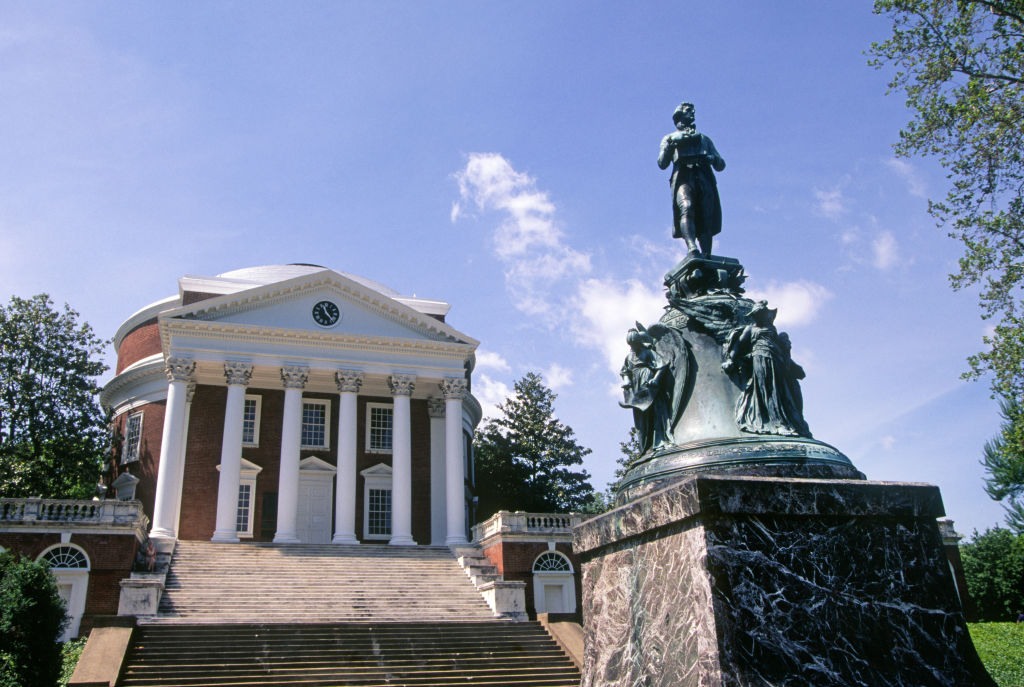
[
  {"x": 70, "y": 566},
  {"x": 554, "y": 590}
]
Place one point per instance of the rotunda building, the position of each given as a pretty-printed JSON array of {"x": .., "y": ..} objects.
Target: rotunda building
[{"x": 294, "y": 403}]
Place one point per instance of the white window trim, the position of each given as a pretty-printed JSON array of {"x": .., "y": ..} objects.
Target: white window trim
[
  {"x": 391, "y": 407},
  {"x": 376, "y": 477},
  {"x": 256, "y": 424},
  {"x": 326, "y": 403},
  {"x": 247, "y": 475},
  {"x": 78, "y": 579},
  {"x": 565, "y": 580},
  {"x": 138, "y": 443}
]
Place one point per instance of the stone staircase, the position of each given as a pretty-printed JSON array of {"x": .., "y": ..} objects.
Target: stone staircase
[
  {"x": 367, "y": 654},
  {"x": 309, "y": 583}
]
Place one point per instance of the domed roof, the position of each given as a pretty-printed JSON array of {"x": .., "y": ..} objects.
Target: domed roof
[{"x": 271, "y": 274}]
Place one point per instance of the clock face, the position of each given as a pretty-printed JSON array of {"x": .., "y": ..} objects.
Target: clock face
[{"x": 326, "y": 314}]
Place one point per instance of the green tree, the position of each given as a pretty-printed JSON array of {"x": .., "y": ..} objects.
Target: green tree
[
  {"x": 1003, "y": 459},
  {"x": 994, "y": 570},
  {"x": 961, "y": 65},
  {"x": 53, "y": 435},
  {"x": 31, "y": 621},
  {"x": 526, "y": 459}
]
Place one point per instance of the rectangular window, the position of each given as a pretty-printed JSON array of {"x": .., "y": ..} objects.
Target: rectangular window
[
  {"x": 251, "y": 421},
  {"x": 132, "y": 438},
  {"x": 243, "y": 523},
  {"x": 314, "y": 424},
  {"x": 378, "y": 427},
  {"x": 378, "y": 521}
]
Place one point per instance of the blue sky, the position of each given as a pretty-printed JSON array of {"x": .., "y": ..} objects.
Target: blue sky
[{"x": 502, "y": 156}]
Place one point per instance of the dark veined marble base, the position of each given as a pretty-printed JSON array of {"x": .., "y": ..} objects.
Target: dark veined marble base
[{"x": 722, "y": 581}]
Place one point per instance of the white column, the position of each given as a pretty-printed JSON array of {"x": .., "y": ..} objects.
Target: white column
[
  {"x": 294, "y": 380},
  {"x": 168, "y": 488},
  {"x": 401, "y": 460},
  {"x": 190, "y": 392},
  {"x": 455, "y": 475},
  {"x": 349, "y": 383},
  {"x": 237, "y": 376},
  {"x": 438, "y": 505}
]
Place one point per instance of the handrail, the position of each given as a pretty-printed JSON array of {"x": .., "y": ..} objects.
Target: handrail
[{"x": 106, "y": 512}]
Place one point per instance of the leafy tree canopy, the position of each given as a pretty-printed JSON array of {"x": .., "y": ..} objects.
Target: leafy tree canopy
[
  {"x": 1003, "y": 459},
  {"x": 994, "y": 570},
  {"x": 31, "y": 621},
  {"x": 53, "y": 433},
  {"x": 961, "y": 65},
  {"x": 527, "y": 460}
]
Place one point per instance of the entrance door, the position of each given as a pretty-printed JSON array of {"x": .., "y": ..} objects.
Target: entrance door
[
  {"x": 553, "y": 602},
  {"x": 314, "y": 522}
]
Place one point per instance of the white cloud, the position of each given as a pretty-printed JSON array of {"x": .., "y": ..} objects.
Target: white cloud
[
  {"x": 537, "y": 259},
  {"x": 456, "y": 211},
  {"x": 490, "y": 392},
  {"x": 831, "y": 204},
  {"x": 489, "y": 360},
  {"x": 888, "y": 441},
  {"x": 609, "y": 308},
  {"x": 798, "y": 302},
  {"x": 557, "y": 377},
  {"x": 885, "y": 251},
  {"x": 906, "y": 171}
]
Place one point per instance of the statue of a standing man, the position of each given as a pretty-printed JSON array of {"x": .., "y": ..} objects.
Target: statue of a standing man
[{"x": 696, "y": 209}]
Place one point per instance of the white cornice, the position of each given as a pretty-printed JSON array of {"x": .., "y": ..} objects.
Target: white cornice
[
  {"x": 147, "y": 313},
  {"x": 145, "y": 370},
  {"x": 261, "y": 296}
]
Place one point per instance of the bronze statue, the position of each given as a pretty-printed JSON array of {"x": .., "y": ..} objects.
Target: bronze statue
[
  {"x": 771, "y": 402},
  {"x": 696, "y": 209},
  {"x": 656, "y": 376}
]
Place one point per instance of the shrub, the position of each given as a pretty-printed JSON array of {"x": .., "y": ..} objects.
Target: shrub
[
  {"x": 70, "y": 653},
  {"x": 994, "y": 569},
  {"x": 31, "y": 621},
  {"x": 1001, "y": 648}
]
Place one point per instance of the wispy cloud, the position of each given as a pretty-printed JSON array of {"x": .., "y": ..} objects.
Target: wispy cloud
[
  {"x": 830, "y": 203},
  {"x": 907, "y": 172},
  {"x": 490, "y": 392},
  {"x": 608, "y": 308},
  {"x": 528, "y": 241},
  {"x": 885, "y": 250},
  {"x": 798, "y": 302},
  {"x": 557, "y": 377},
  {"x": 491, "y": 360}
]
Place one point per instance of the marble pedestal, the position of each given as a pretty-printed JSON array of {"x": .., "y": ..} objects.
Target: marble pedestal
[{"x": 725, "y": 580}]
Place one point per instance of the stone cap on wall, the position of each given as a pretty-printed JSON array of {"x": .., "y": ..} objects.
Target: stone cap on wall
[
  {"x": 108, "y": 516},
  {"x": 522, "y": 526}
]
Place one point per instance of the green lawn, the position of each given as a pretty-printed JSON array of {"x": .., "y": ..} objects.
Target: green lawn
[{"x": 1001, "y": 647}]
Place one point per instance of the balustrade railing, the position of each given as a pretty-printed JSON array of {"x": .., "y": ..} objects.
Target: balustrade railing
[
  {"x": 519, "y": 522},
  {"x": 106, "y": 512}
]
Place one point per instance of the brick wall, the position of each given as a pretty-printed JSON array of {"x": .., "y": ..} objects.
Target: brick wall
[
  {"x": 139, "y": 343},
  {"x": 146, "y": 467},
  {"x": 514, "y": 560}
]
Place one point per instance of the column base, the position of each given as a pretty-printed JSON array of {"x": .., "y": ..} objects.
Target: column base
[
  {"x": 455, "y": 541},
  {"x": 402, "y": 540},
  {"x": 162, "y": 533},
  {"x": 344, "y": 539},
  {"x": 225, "y": 537},
  {"x": 286, "y": 538}
]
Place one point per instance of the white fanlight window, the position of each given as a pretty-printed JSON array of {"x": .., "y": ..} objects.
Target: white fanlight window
[
  {"x": 379, "y": 422},
  {"x": 377, "y": 502},
  {"x": 251, "y": 420},
  {"x": 70, "y": 567},
  {"x": 315, "y": 429},
  {"x": 132, "y": 438},
  {"x": 554, "y": 589}
]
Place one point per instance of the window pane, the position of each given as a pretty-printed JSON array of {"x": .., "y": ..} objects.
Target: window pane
[
  {"x": 249, "y": 421},
  {"x": 132, "y": 438},
  {"x": 379, "y": 510},
  {"x": 244, "y": 503},
  {"x": 380, "y": 428},
  {"x": 314, "y": 424}
]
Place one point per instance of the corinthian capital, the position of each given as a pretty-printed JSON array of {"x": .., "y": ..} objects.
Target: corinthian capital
[
  {"x": 402, "y": 385},
  {"x": 453, "y": 387},
  {"x": 180, "y": 369},
  {"x": 237, "y": 374},
  {"x": 349, "y": 380},
  {"x": 435, "y": 406},
  {"x": 294, "y": 377}
]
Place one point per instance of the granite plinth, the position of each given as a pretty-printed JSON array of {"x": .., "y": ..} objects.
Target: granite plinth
[{"x": 724, "y": 580}]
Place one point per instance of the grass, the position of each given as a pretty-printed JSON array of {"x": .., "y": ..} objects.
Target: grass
[
  {"x": 70, "y": 652},
  {"x": 1001, "y": 648}
]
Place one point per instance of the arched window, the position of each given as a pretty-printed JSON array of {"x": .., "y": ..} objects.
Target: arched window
[
  {"x": 70, "y": 567},
  {"x": 65, "y": 557},
  {"x": 552, "y": 561}
]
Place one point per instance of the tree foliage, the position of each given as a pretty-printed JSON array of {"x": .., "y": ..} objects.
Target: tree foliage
[
  {"x": 1003, "y": 459},
  {"x": 961, "y": 65},
  {"x": 53, "y": 433},
  {"x": 994, "y": 570},
  {"x": 526, "y": 459},
  {"x": 31, "y": 620}
]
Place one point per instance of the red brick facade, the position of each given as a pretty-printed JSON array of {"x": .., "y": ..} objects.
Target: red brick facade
[
  {"x": 145, "y": 467},
  {"x": 514, "y": 560},
  {"x": 141, "y": 342}
]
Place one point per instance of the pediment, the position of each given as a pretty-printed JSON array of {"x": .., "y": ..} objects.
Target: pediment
[
  {"x": 287, "y": 307},
  {"x": 314, "y": 464},
  {"x": 378, "y": 470}
]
